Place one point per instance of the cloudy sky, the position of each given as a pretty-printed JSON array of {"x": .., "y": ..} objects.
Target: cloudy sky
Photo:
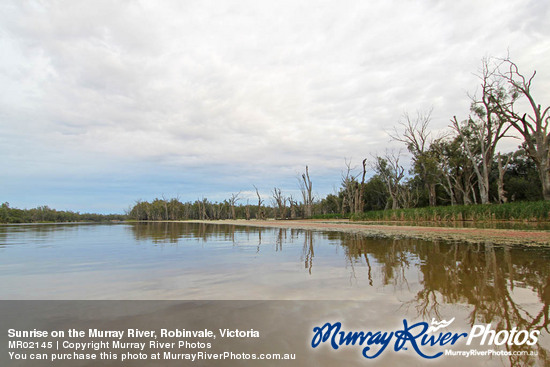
[{"x": 105, "y": 102}]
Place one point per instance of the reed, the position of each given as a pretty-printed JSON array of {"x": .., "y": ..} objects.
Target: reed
[{"x": 533, "y": 211}]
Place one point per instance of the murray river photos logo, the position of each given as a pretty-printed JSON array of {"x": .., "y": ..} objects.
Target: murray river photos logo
[{"x": 418, "y": 337}]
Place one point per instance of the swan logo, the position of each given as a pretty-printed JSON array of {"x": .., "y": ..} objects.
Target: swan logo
[{"x": 436, "y": 325}]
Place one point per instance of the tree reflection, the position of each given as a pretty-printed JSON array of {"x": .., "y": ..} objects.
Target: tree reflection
[
  {"x": 496, "y": 281},
  {"x": 308, "y": 253},
  {"x": 172, "y": 232}
]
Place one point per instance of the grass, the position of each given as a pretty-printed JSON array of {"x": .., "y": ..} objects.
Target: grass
[{"x": 534, "y": 211}]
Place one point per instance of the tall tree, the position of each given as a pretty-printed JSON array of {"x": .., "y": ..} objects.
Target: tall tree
[
  {"x": 359, "y": 190},
  {"x": 307, "y": 195},
  {"x": 486, "y": 125},
  {"x": 260, "y": 213},
  {"x": 532, "y": 125}
]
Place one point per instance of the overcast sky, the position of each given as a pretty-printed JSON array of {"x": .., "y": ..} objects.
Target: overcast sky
[{"x": 106, "y": 102}]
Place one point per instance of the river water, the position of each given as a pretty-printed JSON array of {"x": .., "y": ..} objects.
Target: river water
[{"x": 376, "y": 282}]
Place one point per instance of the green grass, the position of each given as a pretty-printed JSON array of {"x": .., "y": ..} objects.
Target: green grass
[{"x": 535, "y": 211}]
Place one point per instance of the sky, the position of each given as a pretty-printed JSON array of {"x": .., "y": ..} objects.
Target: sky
[{"x": 106, "y": 102}]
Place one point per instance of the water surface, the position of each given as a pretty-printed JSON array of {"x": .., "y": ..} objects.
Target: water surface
[{"x": 388, "y": 279}]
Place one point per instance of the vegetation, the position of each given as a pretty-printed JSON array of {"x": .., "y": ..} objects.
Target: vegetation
[
  {"x": 44, "y": 214},
  {"x": 530, "y": 211}
]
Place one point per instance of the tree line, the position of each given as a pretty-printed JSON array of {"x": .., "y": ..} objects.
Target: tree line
[
  {"x": 44, "y": 214},
  {"x": 460, "y": 166}
]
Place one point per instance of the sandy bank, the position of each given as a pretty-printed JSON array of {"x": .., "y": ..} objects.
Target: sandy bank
[{"x": 497, "y": 236}]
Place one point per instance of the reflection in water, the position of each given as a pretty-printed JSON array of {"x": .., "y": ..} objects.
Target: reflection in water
[
  {"x": 36, "y": 232},
  {"x": 482, "y": 275},
  {"x": 507, "y": 286}
]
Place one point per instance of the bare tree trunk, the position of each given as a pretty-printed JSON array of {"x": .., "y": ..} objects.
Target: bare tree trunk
[
  {"x": 350, "y": 190},
  {"x": 260, "y": 214},
  {"x": 232, "y": 201},
  {"x": 306, "y": 188},
  {"x": 360, "y": 188},
  {"x": 501, "y": 171},
  {"x": 432, "y": 194},
  {"x": 449, "y": 189},
  {"x": 544, "y": 172}
]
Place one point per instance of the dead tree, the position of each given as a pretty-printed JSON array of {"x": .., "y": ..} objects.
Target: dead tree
[
  {"x": 293, "y": 205},
  {"x": 349, "y": 189},
  {"x": 280, "y": 201},
  {"x": 260, "y": 213},
  {"x": 232, "y": 201},
  {"x": 306, "y": 189},
  {"x": 534, "y": 125},
  {"x": 359, "y": 190}
]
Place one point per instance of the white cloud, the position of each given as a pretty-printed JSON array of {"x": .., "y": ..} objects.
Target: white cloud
[{"x": 245, "y": 85}]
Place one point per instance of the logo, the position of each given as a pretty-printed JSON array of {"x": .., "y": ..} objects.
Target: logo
[{"x": 417, "y": 337}]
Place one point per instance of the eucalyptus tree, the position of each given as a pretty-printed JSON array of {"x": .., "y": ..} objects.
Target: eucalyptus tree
[
  {"x": 417, "y": 138},
  {"x": 487, "y": 124},
  {"x": 391, "y": 173},
  {"x": 456, "y": 174}
]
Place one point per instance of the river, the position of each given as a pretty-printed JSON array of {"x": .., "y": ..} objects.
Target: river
[{"x": 375, "y": 282}]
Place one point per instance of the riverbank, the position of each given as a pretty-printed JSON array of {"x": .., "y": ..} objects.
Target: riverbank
[{"x": 472, "y": 235}]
